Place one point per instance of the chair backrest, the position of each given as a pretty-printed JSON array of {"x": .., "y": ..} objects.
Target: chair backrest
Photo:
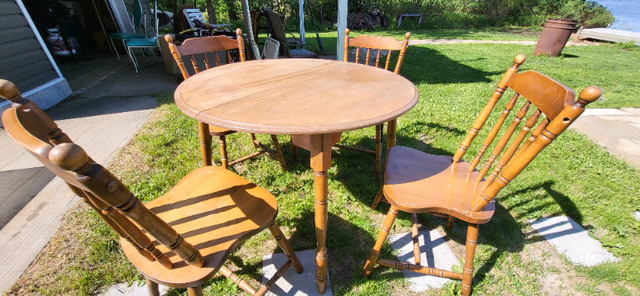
[
  {"x": 276, "y": 25},
  {"x": 114, "y": 203},
  {"x": 203, "y": 47},
  {"x": 554, "y": 109},
  {"x": 137, "y": 14},
  {"x": 271, "y": 49},
  {"x": 376, "y": 45}
]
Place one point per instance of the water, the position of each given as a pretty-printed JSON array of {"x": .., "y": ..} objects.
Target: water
[{"x": 626, "y": 12}]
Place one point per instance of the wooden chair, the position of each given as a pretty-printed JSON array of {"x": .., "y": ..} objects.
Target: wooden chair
[
  {"x": 417, "y": 182},
  {"x": 291, "y": 47},
  {"x": 180, "y": 239},
  {"x": 374, "y": 46},
  {"x": 204, "y": 48}
]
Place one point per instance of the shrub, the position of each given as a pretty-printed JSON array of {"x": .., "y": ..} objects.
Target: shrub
[{"x": 589, "y": 14}]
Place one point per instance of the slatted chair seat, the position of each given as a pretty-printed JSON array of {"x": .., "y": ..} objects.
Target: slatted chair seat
[
  {"x": 218, "y": 221},
  {"x": 212, "y": 51},
  {"x": 180, "y": 239},
  {"x": 418, "y": 182}
]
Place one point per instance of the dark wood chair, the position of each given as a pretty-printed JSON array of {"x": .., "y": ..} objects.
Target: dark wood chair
[
  {"x": 291, "y": 47},
  {"x": 417, "y": 182},
  {"x": 376, "y": 46},
  {"x": 206, "y": 50},
  {"x": 180, "y": 239}
]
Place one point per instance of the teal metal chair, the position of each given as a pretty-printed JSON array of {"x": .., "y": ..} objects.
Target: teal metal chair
[
  {"x": 137, "y": 23},
  {"x": 143, "y": 43}
]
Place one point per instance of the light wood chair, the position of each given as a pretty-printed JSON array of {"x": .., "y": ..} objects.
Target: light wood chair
[
  {"x": 203, "y": 48},
  {"x": 417, "y": 182},
  {"x": 180, "y": 239},
  {"x": 375, "y": 46}
]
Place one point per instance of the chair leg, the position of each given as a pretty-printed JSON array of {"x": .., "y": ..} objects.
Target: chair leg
[
  {"x": 152, "y": 288},
  {"x": 450, "y": 221},
  {"x": 195, "y": 291},
  {"x": 414, "y": 237},
  {"x": 382, "y": 236},
  {"x": 132, "y": 57},
  {"x": 276, "y": 144},
  {"x": 467, "y": 272},
  {"x": 284, "y": 244},
  {"x": 294, "y": 150},
  {"x": 378, "y": 150},
  {"x": 205, "y": 143},
  {"x": 254, "y": 141},
  {"x": 223, "y": 151},
  {"x": 376, "y": 199}
]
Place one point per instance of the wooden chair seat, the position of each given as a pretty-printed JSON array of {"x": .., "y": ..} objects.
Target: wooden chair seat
[
  {"x": 219, "y": 131},
  {"x": 410, "y": 173},
  {"x": 215, "y": 210}
]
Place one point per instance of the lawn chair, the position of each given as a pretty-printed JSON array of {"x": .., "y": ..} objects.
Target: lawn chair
[
  {"x": 150, "y": 42},
  {"x": 206, "y": 49},
  {"x": 374, "y": 46},
  {"x": 198, "y": 24},
  {"x": 180, "y": 239},
  {"x": 291, "y": 47},
  {"x": 137, "y": 20},
  {"x": 418, "y": 182}
]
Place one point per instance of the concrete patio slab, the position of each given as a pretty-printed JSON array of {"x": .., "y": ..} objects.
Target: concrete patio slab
[
  {"x": 571, "y": 240},
  {"x": 292, "y": 283},
  {"x": 133, "y": 290},
  {"x": 435, "y": 252},
  {"x": 598, "y": 124}
]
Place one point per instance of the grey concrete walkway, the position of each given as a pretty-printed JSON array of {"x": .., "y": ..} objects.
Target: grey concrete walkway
[
  {"x": 617, "y": 130},
  {"x": 102, "y": 117}
]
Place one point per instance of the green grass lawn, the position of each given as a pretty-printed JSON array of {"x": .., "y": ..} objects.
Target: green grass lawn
[{"x": 573, "y": 177}]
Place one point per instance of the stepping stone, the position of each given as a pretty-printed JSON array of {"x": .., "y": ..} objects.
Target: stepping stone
[
  {"x": 435, "y": 253},
  {"x": 292, "y": 283},
  {"x": 133, "y": 290},
  {"x": 636, "y": 214},
  {"x": 570, "y": 239}
]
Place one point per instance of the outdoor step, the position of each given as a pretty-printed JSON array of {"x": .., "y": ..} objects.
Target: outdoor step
[
  {"x": 573, "y": 241},
  {"x": 434, "y": 252},
  {"x": 292, "y": 283}
]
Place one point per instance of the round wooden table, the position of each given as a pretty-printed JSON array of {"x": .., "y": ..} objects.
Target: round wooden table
[{"x": 313, "y": 100}]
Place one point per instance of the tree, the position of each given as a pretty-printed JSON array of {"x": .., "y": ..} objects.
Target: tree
[{"x": 212, "y": 12}]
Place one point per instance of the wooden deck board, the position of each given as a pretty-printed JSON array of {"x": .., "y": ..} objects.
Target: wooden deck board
[{"x": 610, "y": 35}]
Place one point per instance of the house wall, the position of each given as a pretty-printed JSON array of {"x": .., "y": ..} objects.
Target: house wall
[{"x": 24, "y": 59}]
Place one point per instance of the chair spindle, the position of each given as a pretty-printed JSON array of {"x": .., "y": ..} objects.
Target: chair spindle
[
  {"x": 486, "y": 111},
  {"x": 497, "y": 150}
]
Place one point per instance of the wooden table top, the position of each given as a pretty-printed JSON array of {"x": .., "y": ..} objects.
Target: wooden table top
[{"x": 295, "y": 96}]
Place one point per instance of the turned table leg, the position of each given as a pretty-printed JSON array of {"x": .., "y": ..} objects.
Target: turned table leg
[{"x": 320, "y": 163}]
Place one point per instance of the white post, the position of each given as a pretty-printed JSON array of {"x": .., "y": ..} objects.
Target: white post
[
  {"x": 342, "y": 24},
  {"x": 301, "y": 14}
]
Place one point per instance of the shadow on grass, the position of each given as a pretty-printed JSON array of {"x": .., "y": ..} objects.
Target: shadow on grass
[
  {"x": 426, "y": 65},
  {"x": 348, "y": 246}
]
